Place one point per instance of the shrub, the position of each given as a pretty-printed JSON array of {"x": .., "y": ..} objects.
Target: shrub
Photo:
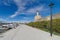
[{"x": 46, "y": 25}]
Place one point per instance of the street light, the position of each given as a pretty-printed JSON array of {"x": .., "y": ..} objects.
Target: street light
[{"x": 51, "y": 29}]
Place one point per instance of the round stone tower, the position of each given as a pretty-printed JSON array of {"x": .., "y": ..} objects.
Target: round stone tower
[{"x": 37, "y": 17}]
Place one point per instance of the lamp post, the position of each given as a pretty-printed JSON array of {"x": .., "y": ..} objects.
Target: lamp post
[{"x": 51, "y": 28}]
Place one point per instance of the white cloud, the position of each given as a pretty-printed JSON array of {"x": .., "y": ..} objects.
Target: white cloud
[
  {"x": 39, "y": 8},
  {"x": 25, "y": 20},
  {"x": 21, "y": 21},
  {"x": 21, "y": 7},
  {"x": 6, "y": 2},
  {"x": 12, "y": 16},
  {"x": 33, "y": 10},
  {"x": 1, "y": 19}
]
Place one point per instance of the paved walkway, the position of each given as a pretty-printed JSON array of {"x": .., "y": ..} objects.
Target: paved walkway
[{"x": 24, "y": 32}]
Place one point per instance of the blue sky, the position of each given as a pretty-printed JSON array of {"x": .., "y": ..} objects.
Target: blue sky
[{"x": 25, "y": 10}]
